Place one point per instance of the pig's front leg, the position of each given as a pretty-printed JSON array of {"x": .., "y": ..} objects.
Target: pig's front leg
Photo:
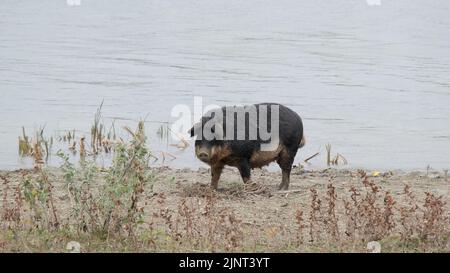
[
  {"x": 244, "y": 170},
  {"x": 216, "y": 171}
]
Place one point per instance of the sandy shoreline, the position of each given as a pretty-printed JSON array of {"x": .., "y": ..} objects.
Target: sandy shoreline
[
  {"x": 186, "y": 183},
  {"x": 260, "y": 206}
]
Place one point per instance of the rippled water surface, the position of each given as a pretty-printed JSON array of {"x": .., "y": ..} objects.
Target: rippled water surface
[{"x": 374, "y": 81}]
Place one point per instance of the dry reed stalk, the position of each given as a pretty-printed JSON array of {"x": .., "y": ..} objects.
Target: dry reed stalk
[
  {"x": 328, "y": 147},
  {"x": 82, "y": 147},
  {"x": 311, "y": 157}
]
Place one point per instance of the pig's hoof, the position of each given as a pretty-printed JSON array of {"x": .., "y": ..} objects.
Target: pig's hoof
[{"x": 247, "y": 181}]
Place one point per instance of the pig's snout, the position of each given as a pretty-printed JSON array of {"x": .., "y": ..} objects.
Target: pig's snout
[{"x": 203, "y": 154}]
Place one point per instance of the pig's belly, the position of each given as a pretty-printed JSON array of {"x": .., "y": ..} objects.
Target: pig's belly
[{"x": 263, "y": 158}]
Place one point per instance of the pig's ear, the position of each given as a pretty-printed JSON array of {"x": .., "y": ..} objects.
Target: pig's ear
[{"x": 193, "y": 131}]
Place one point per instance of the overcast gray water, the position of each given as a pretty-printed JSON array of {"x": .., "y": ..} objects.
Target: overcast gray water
[{"x": 374, "y": 81}]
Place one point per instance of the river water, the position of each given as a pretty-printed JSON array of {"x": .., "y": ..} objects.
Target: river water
[{"x": 371, "y": 80}]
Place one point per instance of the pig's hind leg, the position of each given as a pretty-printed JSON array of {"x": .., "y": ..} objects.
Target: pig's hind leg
[{"x": 285, "y": 161}]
